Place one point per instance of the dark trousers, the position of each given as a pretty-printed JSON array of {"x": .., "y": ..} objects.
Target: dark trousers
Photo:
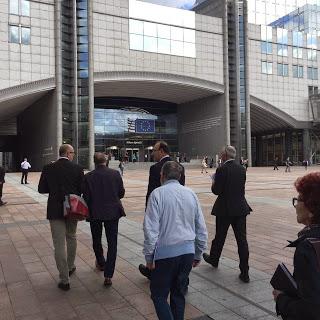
[
  {"x": 240, "y": 231},
  {"x": 170, "y": 276},
  {"x": 111, "y": 230},
  {"x": 24, "y": 175},
  {"x": 1, "y": 187}
]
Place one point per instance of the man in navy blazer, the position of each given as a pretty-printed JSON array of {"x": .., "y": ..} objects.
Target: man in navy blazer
[
  {"x": 102, "y": 189},
  {"x": 161, "y": 155},
  {"x": 230, "y": 208}
]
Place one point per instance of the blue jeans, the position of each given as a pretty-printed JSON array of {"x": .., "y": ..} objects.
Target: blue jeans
[{"x": 170, "y": 276}]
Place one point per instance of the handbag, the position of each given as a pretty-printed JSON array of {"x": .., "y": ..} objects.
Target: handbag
[{"x": 75, "y": 207}]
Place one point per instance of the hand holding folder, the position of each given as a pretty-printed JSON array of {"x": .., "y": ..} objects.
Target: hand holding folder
[{"x": 283, "y": 280}]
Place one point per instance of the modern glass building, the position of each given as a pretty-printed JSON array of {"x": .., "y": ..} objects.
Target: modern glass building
[{"x": 118, "y": 76}]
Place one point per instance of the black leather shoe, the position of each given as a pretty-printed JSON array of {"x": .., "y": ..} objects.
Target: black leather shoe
[
  {"x": 144, "y": 271},
  {"x": 72, "y": 271},
  {"x": 244, "y": 277},
  {"x": 208, "y": 259},
  {"x": 64, "y": 286}
]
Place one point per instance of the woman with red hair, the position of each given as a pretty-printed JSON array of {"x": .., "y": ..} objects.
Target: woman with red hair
[{"x": 306, "y": 305}]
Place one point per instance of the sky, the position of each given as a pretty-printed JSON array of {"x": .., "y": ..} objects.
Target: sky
[{"x": 183, "y": 4}]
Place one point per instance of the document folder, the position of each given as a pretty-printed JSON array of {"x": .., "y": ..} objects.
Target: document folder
[{"x": 283, "y": 280}]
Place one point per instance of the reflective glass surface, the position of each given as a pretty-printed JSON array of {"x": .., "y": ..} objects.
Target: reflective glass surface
[
  {"x": 25, "y": 8},
  {"x": 14, "y": 34},
  {"x": 14, "y": 6},
  {"x": 25, "y": 35},
  {"x": 160, "y": 38}
]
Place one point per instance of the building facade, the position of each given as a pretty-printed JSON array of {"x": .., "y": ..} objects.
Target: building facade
[{"x": 116, "y": 76}]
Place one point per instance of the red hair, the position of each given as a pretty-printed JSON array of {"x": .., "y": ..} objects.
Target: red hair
[{"x": 308, "y": 188}]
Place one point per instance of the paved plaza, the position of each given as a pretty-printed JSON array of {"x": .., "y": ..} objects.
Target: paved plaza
[{"x": 28, "y": 275}]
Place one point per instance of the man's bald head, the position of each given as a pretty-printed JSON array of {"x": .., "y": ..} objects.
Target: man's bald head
[
  {"x": 100, "y": 159},
  {"x": 66, "y": 150}
]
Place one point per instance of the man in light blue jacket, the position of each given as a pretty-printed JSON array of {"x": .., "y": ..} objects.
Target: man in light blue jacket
[{"x": 175, "y": 236}]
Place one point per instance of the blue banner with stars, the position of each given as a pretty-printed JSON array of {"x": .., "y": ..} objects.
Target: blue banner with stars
[{"x": 145, "y": 126}]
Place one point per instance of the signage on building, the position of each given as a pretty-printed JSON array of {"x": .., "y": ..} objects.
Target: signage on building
[{"x": 134, "y": 142}]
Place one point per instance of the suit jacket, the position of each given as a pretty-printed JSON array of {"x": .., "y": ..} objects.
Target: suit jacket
[
  {"x": 59, "y": 179},
  {"x": 102, "y": 189},
  {"x": 154, "y": 176},
  {"x": 2, "y": 174},
  {"x": 229, "y": 186}
]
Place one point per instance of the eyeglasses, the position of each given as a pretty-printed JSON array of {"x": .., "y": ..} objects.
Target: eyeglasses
[
  {"x": 295, "y": 201},
  {"x": 71, "y": 152}
]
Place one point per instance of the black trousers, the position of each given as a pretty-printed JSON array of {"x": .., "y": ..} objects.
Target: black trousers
[
  {"x": 24, "y": 175},
  {"x": 240, "y": 231},
  {"x": 111, "y": 230}
]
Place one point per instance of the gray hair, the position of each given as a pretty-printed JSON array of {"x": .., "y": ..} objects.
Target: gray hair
[
  {"x": 230, "y": 152},
  {"x": 64, "y": 148},
  {"x": 171, "y": 170}
]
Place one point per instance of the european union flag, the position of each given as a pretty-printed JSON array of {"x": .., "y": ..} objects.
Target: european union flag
[{"x": 145, "y": 126}]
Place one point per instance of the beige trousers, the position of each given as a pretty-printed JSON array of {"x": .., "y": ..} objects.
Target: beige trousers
[{"x": 64, "y": 231}]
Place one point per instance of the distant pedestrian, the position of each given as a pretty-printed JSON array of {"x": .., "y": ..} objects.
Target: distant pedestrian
[
  {"x": 245, "y": 164},
  {"x": 204, "y": 164},
  {"x": 275, "y": 164},
  {"x": 102, "y": 189},
  {"x": 288, "y": 165},
  {"x": 2, "y": 181},
  {"x": 175, "y": 236},
  {"x": 305, "y": 164},
  {"x": 121, "y": 167},
  {"x": 25, "y": 166},
  {"x": 61, "y": 178}
]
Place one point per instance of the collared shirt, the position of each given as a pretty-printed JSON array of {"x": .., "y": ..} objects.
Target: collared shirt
[
  {"x": 173, "y": 223},
  {"x": 228, "y": 160},
  {"x": 63, "y": 158},
  {"x": 25, "y": 165},
  {"x": 167, "y": 156}
]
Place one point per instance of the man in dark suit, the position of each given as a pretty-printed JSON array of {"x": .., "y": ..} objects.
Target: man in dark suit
[
  {"x": 230, "y": 208},
  {"x": 161, "y": 155},
  {"x": 2, "y": 181},
  {"x": 59, "y": 179},
  {"x": 102, "y": 190}
]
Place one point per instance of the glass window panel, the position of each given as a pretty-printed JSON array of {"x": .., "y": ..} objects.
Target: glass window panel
[
  {"x": 164, "y": 46},
  {"x": 150, "y": 29},
  {"x": 176, "y": 33},
  {"x": 309, "y": 73},
  {"x": 269, "y": 66},
  {"x": 14, "y": 34},
  {"x": 150, "y": 44},
  {"x": 25, "y": 8},
  {"x": 300, "y": 72},
  {"x": 315, "y": 73},
  {"x": 269, "y": 47},
  {"x": 177, "y": 48},
  {"x": 163, "y": 31},
  {"x": 263, "y": 32},
  {"x": 269, "y": 33},
  {"x": 189, "y": 49},
  {"x": 263, "y": 67},
  {"x": 285, "y": 70},
  {"x": 136, "y": 26},
  {"x": 280, "y": 69},
  {"x": 25, "y": 35},
  {"x": 189, "y": 35},
  {"x": 136, "y": 42},
  {"x": 14, "y": 6}
]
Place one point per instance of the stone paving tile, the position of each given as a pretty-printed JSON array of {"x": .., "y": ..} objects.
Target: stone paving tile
[{"x": 26, "y": 255}]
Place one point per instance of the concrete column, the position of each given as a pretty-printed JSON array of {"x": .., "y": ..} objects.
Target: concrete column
[
  {"x": 91, "y": 88},
  {"x": 288, "y": 144},
  {"x": 306, "y": 144},
  {"x": 58, "y": 74}
]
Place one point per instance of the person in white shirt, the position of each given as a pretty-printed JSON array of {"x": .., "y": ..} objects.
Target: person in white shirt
[{"x": 25, "y": 166}]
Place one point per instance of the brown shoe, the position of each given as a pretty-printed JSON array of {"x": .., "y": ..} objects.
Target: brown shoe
[{"x": 107, "y": 282}]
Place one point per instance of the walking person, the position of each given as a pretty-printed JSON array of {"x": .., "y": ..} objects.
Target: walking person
[
  {"x": 204, "y": 164},
  {"x": 288, "y": 164},
  {"x": 102, "y": 190},
  {"x": 2, "y": 181},
  {"x": 175, "y": 236},
  {"x": 275, "y": 164},
  {"x": 230, "y": 208},
  {"x": 61, "y": 178},
  {"x": 25, "y": 166},
  {"x": 121, "y": 167},
  {"x": 305, "y": 164},
  {"x": 161, "y": 155}
]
